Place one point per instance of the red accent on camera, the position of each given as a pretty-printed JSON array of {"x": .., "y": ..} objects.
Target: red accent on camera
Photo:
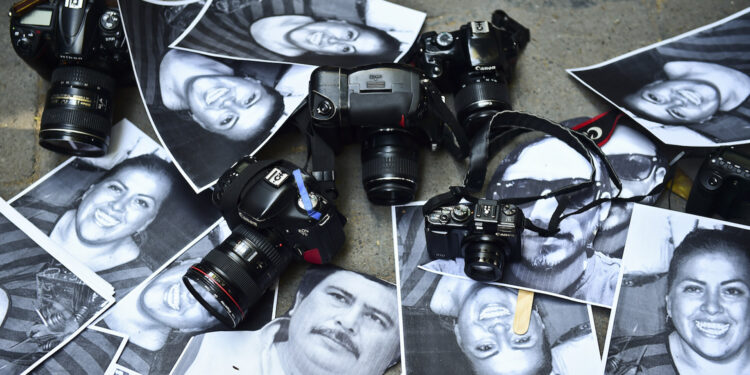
[{"x": 313, "y": 256}]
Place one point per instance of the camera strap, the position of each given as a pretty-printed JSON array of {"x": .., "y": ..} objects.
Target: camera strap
[
  {"x": 318, "y": 151},
  {"x": 495, "y": 134},
  {"x": 452, "y": 137}
]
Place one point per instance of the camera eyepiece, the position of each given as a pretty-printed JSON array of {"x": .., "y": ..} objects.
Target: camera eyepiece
[
  {"x": 77, "y": 115},
  {"x": 390, "y": 166},
  {"x": 234, "y": 275}
]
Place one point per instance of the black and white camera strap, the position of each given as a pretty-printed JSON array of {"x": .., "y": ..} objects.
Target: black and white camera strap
[{"x": 496, "y": 133}]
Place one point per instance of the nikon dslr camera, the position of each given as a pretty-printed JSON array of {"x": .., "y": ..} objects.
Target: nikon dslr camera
[
  {"x": 474, "y": 62},
  {"x": 722, "y": 187},
  {"x": 79, "y": 46},
  {"x": 387, "y": 107},
  {"x": 276, "y": 213},
  {"x": 485, "y": 235}
]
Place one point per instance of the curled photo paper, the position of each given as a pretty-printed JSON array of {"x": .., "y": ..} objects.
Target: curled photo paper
[
  {"x": 312, "y": 32},
  {"x": 342, "y": 322},
  {"x": 47, "y": 297},
  {"x": 683, "y": 302},
  {"x": 123, "y": 215},
  {"x": 94, "y": 351},
  {"x": 207, "y": 111},
  {"x": 455, "y": 325},
  {"x": 691, "y": 90}
]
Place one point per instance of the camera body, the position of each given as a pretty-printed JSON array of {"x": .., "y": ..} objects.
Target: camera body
[
  {"x": 722, "y": 187},
  {"x": 485, "y": 235},
  {"x": 385, "y": 106},
  {"x": 276, "y": 214},
  {"x": 474, "y": 62},
  {"x": 79, "y": 46}
]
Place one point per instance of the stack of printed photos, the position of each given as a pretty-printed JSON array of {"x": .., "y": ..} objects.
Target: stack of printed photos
[{"x": 220, "y": 77}]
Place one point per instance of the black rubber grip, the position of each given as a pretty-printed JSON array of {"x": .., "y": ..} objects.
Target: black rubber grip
[
  {"x": 71, "y": 119},
  {"x": 390, "y": 166}
]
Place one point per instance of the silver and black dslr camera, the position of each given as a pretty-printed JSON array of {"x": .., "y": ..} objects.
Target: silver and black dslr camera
[
  {"x": 485, "y": 234},
  {"x": 277, "y": 214},
  {"x": 79, "y": 46},
  {"x": 475, "y": 62}
]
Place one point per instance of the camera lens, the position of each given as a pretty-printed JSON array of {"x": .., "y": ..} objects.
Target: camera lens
[
  {"x": 390, "y": 166},
  {"x": 77, "y": 115},
  {"x": 484, "y": 257},
  {"x": 234, "y": 275},
  {"x": 478, "y": 99}
]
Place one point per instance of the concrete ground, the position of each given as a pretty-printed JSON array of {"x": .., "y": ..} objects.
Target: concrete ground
[{"x": 564, "y": 34}]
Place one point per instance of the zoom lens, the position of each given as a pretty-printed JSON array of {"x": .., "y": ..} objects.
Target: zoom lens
[
  {"x": 77, "y": 116},
  {"x": 234, "y": 275},
  {"x": 390, "y": 166},
  {"x": 484, "y": 257},
  {"x": 479, "y": 99}
]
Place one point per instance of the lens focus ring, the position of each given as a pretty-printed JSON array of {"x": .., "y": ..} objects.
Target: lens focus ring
[
  {"x": 479, "y": 95},
  {"x": 390, "y": 166}
]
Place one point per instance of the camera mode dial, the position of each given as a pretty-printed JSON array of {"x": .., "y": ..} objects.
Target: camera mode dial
[
  {"x": 444, "y": 40},
  {"x": 460, "y": 213}
]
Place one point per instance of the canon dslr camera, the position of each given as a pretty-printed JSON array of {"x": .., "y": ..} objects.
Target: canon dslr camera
[
  {"x": 486, "y": 235},
  {"x": 79, "y": 46},
  {"x": 474, "y": 62},
  {"x": 385, "y": 106},
  {"x": 722, "y": 187},
  {"x": 277, "y": 214}
]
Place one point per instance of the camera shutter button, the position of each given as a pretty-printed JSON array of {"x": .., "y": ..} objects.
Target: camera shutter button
[
  {"x": 713, "y": 180},
  {"x": 444, "y": 40},
  {"x": 324, "y": 108}
]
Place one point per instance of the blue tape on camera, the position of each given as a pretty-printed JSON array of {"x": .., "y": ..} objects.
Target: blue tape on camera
[{"x": 304, "y": 195}]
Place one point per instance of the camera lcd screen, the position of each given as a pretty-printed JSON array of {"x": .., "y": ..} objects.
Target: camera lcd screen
[{"x": 38, "y": 17}]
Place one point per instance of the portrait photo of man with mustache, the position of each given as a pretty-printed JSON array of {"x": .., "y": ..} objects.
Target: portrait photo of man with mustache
[{"x": 342, "y": 322}]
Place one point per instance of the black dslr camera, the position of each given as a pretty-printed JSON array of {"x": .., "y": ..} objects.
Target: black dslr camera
[
  {"x": 474, "y": 62},
  {"x": 391, "y": 109},
  {"x": 722, "y": 187},
  {"x": 79, "y": 46},
  {"x": 276, "y": 213},
  {"x": 485, "y": 235}
]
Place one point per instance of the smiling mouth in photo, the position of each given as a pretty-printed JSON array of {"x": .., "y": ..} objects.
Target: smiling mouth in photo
[
  {"x": 215, "y": 94},
  {"x": 690, "y": 96},
  {"x": 493, "y": 311},
  {"x": 104, "y": 219},
  {"x": 315, "y": 38},
  {"x": 172, "y": 297},
  {"x": 711, "y": 329}
]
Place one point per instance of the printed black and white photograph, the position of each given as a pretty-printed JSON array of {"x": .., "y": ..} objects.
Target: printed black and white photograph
[
  {"x": 47, "y": 297},
  {"x": 122, "y": 370},
  {"x": 207, "y": 111},
  {"x": 342, "y": 322},
  {"x": 565, "y": 265},
  {"x": 94, "y": 351},
  {"x": 123, "y": 215},
  {"x": 690, "y": 90},
  {"x": 459, "y": 326},
  {"x": 641, "y": 166},
  {"x": 683, "y": 306},
  {"x": 312, "y": 32},
  {"x": 160, "y": 315}
]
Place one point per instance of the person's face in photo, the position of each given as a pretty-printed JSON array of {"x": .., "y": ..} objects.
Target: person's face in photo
[
  {"x": 232, "y": 106},
  {"x": 336, "y": 38},
  {"x": 709, "y": 303},
  {"x": 484, "y": 332},
  {"x": 536, "y": 173},
  {"x": 678, "y": 101},
  {"x": 346, "y": 324},
  {"x": 121, "y": 205},
  {"x": 168, "y": 301},
  {"x": 633, "y": 156}
]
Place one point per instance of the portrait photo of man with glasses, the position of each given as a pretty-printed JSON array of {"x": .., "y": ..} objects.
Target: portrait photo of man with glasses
[{"x": 565, "y": 264}]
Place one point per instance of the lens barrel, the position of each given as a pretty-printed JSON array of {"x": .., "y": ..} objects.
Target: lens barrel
[
  {"x": 77, "y": 116},
  {"x": 390, "y": 166},
  {"x": 233, "y": 276},
  {"x": 484, "y": 257},
  {"x": 479, "y": 99}
]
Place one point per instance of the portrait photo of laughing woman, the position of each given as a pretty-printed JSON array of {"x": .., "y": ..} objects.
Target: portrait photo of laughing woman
[{"x": 701, "y": 292}]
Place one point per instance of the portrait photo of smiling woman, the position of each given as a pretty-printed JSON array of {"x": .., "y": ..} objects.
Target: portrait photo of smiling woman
[
  {"x": 207, "y": 111},
  {"x": 691, "y": 90},
  {"x": 311, "y": 32},
  {"x": 703, "y": 300},
  {"x": 127, "y": 211}
]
